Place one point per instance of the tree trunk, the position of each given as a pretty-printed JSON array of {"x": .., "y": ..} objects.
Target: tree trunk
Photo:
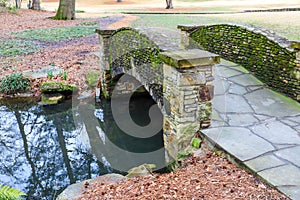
[
  {"x": 169, "y": 4},
  {"x": 18, "y": 4},
  {"x": 36, "y": 5},
  {"x": 66, "y": 10}
]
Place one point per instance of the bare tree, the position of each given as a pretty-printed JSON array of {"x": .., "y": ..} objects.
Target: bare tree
[
  {"x": 18, "y": 4},
  {"x": 34, "y": 4},
  {"x": 169, "y": 4}
]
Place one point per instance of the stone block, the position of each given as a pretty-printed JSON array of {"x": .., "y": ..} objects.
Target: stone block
[
  {"x": 191, "y": 79},
  {"x": 189, "y": 58}
]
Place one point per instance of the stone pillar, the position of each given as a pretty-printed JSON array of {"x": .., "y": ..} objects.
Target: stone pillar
[
  {"x": 185, "y": 40},
  {"x": 296, "y": 46},
  {"x": 104, "y": 59},
  {"x": 104, "y": 40},
  {"x": 187, "y": 90}
]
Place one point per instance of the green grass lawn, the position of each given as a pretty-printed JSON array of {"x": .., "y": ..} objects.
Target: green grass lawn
[
  {"x": 171, "y": 21},
  {"x": 56, "y": 34},
  {"x": 17, "y": 47},
  {"x": 289, "y": 31}
]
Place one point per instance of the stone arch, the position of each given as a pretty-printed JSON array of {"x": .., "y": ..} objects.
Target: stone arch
[{"x": 172, "y": 76}]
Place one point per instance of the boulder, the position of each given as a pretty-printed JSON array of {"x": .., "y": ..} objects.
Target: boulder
[
  {"x": 42, "y": 73},
  {"x": 142, "y": 170},
  {"x": 74, "y": 191}
]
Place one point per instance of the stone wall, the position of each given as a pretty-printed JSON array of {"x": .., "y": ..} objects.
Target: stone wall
[{"x": 271, "y": 58}]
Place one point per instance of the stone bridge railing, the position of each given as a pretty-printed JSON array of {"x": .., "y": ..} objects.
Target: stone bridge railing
[
  {"x": 273, "y": 59},
  {"x": 180, "y": 81}
]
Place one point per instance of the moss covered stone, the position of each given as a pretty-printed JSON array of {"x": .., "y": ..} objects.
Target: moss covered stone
[
  {"x": 57, "y": 87},
  {"x": 51, "y": 99},
  {"x": 92, "y": 77},
  {"x": 263, "y": 53}
]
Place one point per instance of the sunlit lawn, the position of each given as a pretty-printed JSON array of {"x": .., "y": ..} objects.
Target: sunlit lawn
[{"x": 284, "y": 26}]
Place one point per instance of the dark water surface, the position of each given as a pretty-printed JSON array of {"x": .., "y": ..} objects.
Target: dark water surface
[{"x": 45, "y": 149}]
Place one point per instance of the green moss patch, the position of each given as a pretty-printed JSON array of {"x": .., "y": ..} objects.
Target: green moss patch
[
  {"x": 57, "y": 87},
  {"x": 263, "y": 57},
  {"x": 92, "y": 77}
]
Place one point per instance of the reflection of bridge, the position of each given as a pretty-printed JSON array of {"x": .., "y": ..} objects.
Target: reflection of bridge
[{"x": 179, "y": 80}]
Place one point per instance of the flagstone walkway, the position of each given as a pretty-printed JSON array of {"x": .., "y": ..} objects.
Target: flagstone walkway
[{"x": 257, "y": 126}]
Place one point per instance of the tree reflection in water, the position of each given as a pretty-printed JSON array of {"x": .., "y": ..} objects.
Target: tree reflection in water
[{"x": 42, "y": 149}]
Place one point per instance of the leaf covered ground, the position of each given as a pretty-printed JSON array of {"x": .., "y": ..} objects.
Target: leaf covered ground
[
  {"x": 31, "y": 40},
  {"x": 208, "y": 177}
]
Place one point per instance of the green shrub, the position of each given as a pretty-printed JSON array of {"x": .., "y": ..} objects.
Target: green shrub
[
  {"x": 14, "y": 83},
  {"x": 3, "y": 3},
  {"x": 8, "y": 193}
]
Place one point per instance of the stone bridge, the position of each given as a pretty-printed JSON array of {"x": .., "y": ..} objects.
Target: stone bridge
[
  {"x": 273, "y": 59},
  {"x": 180, "y": 80}
]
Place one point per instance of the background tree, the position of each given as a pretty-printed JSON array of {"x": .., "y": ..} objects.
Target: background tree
[
  {"x": 169, "y": 4},
  {"x": 35, "y": 4},
  {"x": 66, "y": 10},
  {"x": 18, "y": 4}
]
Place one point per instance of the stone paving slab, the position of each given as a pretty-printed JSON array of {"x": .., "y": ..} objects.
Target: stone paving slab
[
  {"x": 283, "y": 175},
  {"x": 264, "y": 162},
  {"x": 277, "y": 133},
  {"x": 257, "y": 126},
  {"x": 290, "y": 154},
  {"x": 270, "y": 103},
  {"x": 291, "y": 191},
  {"x": 239, "y": 142}
]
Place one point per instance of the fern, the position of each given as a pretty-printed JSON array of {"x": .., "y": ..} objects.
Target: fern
[{"x": 8, "y": 193}]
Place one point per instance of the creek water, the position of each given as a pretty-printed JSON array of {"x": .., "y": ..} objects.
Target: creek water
[{"x": 43, "y": 149}]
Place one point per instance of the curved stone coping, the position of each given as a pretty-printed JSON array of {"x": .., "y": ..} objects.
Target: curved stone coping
[
  {"x": 159, "y": 36},
  {"x": 271, "y": 35}
]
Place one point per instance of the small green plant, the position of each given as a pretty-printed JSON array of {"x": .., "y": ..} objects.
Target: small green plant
[
  {"x": 65, "y": 76},
  {"x": 12, "y": 8},
  {"x": 8, "y": 193},
  {"x": 196, "y": 142},
  {"x": 14, "y": 83},
  {"x": 50, "y": 74}
]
